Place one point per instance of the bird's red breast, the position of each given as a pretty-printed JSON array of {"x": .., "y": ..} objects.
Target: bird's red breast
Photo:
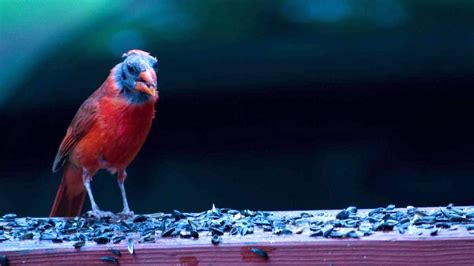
[{"x": 116, "y": 137}]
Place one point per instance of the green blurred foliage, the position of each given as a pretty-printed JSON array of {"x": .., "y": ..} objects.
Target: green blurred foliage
[{"x": 38, "y": 33}]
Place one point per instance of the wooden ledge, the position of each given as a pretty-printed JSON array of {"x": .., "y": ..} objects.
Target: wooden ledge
[{"x": 447, "y": 247}]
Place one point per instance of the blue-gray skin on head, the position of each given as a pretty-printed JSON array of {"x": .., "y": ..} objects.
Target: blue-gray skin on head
[{"x": 128, "y": 73}]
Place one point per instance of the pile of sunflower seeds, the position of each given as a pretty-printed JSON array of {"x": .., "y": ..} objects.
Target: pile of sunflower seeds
[{"x": 348, "y": 223}]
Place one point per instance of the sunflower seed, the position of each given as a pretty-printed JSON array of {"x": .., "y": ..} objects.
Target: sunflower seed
[
  {"x": 185, "y": 234},
  {"x": 305, "y": 215},
  {"x": 337, "y": 234},
  {"x": 352, "y": 209},
  {"x": 327, "y": 231},
  {"x": 3, "y": 260},
  {"x": 216, "y": 239},
  {"x": 117, "y": 239},
  {"x": 318, "y": 232},
  {"x": 342, "y": 215},
  {"x": 56, "y": 240},
  {"x": 216, "y": 231},
  {"x": 140, "y": 219},
  {"x": 116, "y": 252},
  {"x": 299, "y": 230},
  {"x": 102, "y": 240},
  {"x": 109, "y": 259},
  {"x": 26, "y": 236},
  {"x": 470, "y": 214},
  {"x": 9, "y": 216},
  {"x": 178, "y": 215},
  {"x": 260, "y": 252},
  {"x": 47, "y": 236},
  {"x": 168, "y": 232},
  {"x": 79, "y": 244},
  {"x": 376, "y": 211},
  {"x": 130, "y": 245}
]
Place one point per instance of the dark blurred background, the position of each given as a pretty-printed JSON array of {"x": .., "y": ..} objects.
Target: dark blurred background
[{"x": 271, "y": 105}]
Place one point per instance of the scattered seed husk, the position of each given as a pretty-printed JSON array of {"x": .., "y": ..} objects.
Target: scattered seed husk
[
  {"x": 109, "y": 259},
  {"x": 316, "y": 233},
  {"x": 299, "y": 230},
  {"x": 178, "y": 215},
  {"x": 216, "y": 231},
  {"x": 26, "y": 236},
  {"x": 102, "y": 240},
  {"x": 3, "y": 260},
  {"x": 470, "y": 214},
  {"x": 326, "y": 231},
  {"x": 337, "y": 234},
  {"x": 147, "y": 238},
  {"x": 194, "y": 234},
  {"x": 47, "y": 236},
  {"x": 282, "y": 231},
  {"x": 9, "y": 216},
  {"x": 185, "y": 234},
  {"x": 130, "y": 246},
  {"x": 116, "y": 252},
  {"x": 342, "y": 215},
  {"x": 56, "y": 240},
  {"x": 117, "y": 239},
  {"x": 261, "y": 253},
  {"x": 168, "y": 232},
  {"x": 216, "y": 239},
  {"x": 140, "y": 218},
  {"x": 352, "y": 209},
  {"x": 348, "y": 223},
  {"x": 79, "y": 244},
  {"x": 354, "y": 234}
]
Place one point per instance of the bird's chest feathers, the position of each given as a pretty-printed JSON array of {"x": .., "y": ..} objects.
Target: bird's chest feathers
[{"x": 125, "y": 127}]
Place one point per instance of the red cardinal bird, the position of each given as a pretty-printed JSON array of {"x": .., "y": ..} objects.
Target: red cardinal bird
[{"x": 107, "y": 132}]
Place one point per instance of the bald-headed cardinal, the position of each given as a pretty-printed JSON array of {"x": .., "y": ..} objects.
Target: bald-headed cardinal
[{"x": 107, "y": 132}]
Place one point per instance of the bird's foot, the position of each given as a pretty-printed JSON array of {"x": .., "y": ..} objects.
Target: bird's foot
[
  {"x": 100, "y": 214},
  {"x": 126, "y": 213}
]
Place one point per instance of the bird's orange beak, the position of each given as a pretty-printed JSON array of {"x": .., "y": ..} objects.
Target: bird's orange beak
[{"x": 146, "y": 82}]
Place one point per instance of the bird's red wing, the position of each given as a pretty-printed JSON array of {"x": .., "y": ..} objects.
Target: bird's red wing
[{"x": 80, "y": 125}]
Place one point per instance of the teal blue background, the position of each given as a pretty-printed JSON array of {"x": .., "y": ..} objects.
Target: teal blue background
[{"x": 292, "y": 104}]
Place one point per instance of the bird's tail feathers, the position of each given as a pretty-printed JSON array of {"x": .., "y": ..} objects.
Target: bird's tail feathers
[{"x": 71, "y": 193}]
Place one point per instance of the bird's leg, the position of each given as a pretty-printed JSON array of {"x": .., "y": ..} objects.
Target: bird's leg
[
  {"x": 122, "y": 175},
  {"x": 96, "y": 212},
  {"x": 86, "y": 179}
]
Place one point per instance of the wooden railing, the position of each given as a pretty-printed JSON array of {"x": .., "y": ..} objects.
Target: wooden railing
[{"x": 423, "y": 242}]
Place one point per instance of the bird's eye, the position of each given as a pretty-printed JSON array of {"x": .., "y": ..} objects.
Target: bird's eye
[{"x": 130, "y": 69}]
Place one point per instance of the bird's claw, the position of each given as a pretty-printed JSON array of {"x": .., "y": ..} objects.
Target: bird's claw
[
  {"x": 100, "y": 214},
  {"x": 126, "y": 213}
]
